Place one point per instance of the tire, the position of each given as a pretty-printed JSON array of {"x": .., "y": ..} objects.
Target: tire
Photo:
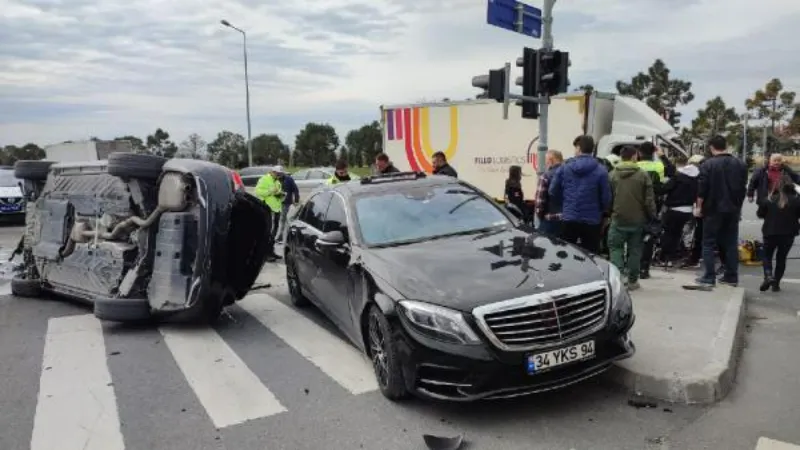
[
  {"x": 135, "y": 165},
  {"x": 293, "y": 282},
  {"x": 384, "y": 356},
  {"x": 22, "y": 287},
  {"x": 32, "y": 170},
  {"x": 122, "y": 309}
]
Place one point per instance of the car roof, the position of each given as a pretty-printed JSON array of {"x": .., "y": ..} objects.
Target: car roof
[{"x": 392, "y": 182}]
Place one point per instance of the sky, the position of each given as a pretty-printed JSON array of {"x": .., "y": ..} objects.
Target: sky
[{"x": 72, "y": 69}]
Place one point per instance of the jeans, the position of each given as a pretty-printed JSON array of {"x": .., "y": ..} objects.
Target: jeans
[
  {"x": 551, "y": 227},
  {"x": 780, "y": 245},
  {"x": 721, "y": 229},
  {"x": 281, "y": 227},
  {"x": 586, "y": 235},
  {"x": 622, "y": 238}
]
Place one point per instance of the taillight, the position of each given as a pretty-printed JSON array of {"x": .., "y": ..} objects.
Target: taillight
[{"x": 237, "y": 181}]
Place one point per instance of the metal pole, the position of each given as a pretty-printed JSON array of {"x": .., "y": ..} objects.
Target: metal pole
[
  {"x": 547, "y": 44},
  {"x": 744, "y": 137},
  {"x": 247, "y": 94}
]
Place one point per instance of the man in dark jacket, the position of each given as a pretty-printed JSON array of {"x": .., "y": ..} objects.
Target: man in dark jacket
[
  {"x": 291, "y": 197},
  {"x": 581, "y": 185},
  {"x": 633, "y": 207},
  {"x": 441, "y": 167},
  {"x": 766, "y": 178},
  {"x": 680, "y": 194},
  {"x": 721, "y": 190},
  {"x": 548, "y": 209},
  {"x": 383, "y": 165},
  {"x": 652, "y": 160}
]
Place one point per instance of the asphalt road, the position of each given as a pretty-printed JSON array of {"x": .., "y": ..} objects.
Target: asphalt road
[{"x": 292, "y": 384}]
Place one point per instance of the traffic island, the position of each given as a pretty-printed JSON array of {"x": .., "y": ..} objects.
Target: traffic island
[{"x": 687, "y": 341}]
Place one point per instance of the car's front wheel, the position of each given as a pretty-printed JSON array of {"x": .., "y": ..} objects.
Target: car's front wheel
[
  {"x": 385, "y": 358},
  {"x": 293, "y": 282}
]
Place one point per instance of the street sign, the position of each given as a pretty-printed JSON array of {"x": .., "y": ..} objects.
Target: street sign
[{"x": 515, "y": 16}]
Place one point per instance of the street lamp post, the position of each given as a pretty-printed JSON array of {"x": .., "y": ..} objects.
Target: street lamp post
[{"x": 247, "y": 93}]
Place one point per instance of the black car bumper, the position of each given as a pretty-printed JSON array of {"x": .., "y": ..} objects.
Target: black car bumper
[{"x": 449, "y": 372}]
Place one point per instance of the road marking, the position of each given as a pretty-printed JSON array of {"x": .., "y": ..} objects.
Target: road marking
[
  {"x": 771, "y": 444},
  {"x": 335, "y": 357},
  {"x": 77, "y": 407},
  {"x": 228, "y": 390}
]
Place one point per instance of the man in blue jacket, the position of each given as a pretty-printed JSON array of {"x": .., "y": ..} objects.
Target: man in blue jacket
[
  {"x": 582, "y": 187},
  {"x": 291, "y": 196}
]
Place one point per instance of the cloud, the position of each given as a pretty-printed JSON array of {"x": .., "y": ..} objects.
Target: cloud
[{"x": 70, "y": 69}]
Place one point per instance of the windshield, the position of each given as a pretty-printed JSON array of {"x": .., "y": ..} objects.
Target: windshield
[
  {"x": 7, "y": 178},
  {"x": 422, "y": 213}
]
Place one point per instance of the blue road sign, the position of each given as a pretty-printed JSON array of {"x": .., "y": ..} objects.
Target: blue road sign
[{"x": 515, "y": 16}]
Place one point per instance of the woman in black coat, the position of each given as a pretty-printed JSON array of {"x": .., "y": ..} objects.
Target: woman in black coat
[{"x": 781, "y": 213}]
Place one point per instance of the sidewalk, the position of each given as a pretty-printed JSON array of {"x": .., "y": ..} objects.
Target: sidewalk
[{"x": 686, "y": 341}]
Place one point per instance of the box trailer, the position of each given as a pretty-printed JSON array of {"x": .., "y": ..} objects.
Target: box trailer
[{"x": 481, "y": 145}]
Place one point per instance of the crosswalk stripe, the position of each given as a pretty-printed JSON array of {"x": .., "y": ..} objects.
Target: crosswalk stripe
[
  {"x": 771, "y": 444},
  {"x": 228, "y": 390},
  {"x": 77, "y": 407},
  {"x": 335, "y": 357}
]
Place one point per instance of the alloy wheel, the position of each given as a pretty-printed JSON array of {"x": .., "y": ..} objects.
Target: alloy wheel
[{"x": 377, "y": 345}]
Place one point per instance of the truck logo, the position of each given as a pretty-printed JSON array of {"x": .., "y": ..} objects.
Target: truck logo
[{"x": 412, "y": 126}]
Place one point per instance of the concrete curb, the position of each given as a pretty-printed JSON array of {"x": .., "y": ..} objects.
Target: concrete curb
[{"x": 708, "y": 385}]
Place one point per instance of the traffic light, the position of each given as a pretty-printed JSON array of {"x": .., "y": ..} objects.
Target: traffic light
[
  {"x": 528, "y": 81},
  {"x": 553, "y": 72},
  {"x": 493, "y": 84}
]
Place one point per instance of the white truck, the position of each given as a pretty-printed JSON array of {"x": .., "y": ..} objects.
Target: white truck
[
  {"x": 481, "y": 145},
  {"x": 85, "y": 150}
]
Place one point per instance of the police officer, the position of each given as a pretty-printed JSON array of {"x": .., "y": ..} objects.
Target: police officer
[
  {"x": 270, "y": 191},
  {"x": 341, "y": 174}
]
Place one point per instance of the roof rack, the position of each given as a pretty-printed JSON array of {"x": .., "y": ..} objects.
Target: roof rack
[{"x": 395, "y": 176}]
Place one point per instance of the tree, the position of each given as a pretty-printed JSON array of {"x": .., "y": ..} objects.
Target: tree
[
  {"x": 159, "y": 144},
  {"x": 315, "y": 144},
  {"x": 365, "y": 143},
  {"x": 661, "y": 93},
  {"x": 344, "y": 154},
  {"x": 136, "y": 143},
  {"x": 228, "y": 149},
  {"x": 772, "y": 104},
  {"x": 715, "y": 118},
  {"x": 11, "y": 153},
  {"x": 269, "y": 149},
  {"x": 193, "y": 147},
  {"x": 586, "y": 88}
]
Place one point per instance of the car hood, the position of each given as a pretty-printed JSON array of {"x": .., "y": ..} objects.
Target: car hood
[{"x": 464, "y": 272}]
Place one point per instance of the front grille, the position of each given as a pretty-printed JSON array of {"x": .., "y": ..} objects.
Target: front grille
[
  {"x": 11, "y": 200},
  {"x": 545, "y": 319}
]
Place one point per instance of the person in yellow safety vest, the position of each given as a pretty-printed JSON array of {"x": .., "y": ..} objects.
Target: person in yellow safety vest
[
  {"x": 270, "y": 191},
  {"x": 341, "y": 174}
]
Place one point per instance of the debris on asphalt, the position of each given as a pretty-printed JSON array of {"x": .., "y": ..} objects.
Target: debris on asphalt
[
  {"x": 697, "y": 287},
  {"x": 667, "y": 410},
  {"x": 641, "y": 403},
  {"x": 443, "y": 443},
  {"x": 114, "y": 353}
]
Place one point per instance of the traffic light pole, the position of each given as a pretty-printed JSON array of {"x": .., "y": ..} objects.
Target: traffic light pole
[{"x": 547, "y": 44}]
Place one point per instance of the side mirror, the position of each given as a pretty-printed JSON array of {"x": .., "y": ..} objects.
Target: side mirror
[
  {"x": 514, "y": 210},
  {"x": 331, "y": 239}
]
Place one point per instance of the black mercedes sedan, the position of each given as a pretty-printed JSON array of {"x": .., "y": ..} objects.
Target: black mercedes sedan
[{"x": 449, "y": 295}]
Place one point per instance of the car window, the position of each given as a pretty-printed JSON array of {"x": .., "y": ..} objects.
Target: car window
[
  {"x": 314, "y": 214},
  {"x": 317, "y": 175},
  {"x": 300, "y": 174},
  {"x": 419, "y": 213},
  {"x": 7, "y": 178},
  {"x": 257, "y": 170},
  {"x": 336, "y": 218}
]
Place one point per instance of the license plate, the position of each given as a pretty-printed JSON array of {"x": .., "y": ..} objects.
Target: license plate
[
  {"x": 10, "y": 208},
  {"x": 547, "y": 360}
]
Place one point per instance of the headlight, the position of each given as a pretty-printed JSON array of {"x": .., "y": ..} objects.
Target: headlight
[
  {"x": 614, "y": 280},
  {"x": 439, "y": 323}
]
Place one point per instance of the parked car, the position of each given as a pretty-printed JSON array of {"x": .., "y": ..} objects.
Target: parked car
[
  {"x": 309, "y": 179},
  {"x": 140, "y": 237},
  {"x": 251, "y": 175},
  {"x": 12, "y": 202},
  {"x": 449, "y": 294}
]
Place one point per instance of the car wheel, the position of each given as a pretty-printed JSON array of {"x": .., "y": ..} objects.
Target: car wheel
[
  {"x": 22, "y": 287},
  {"x": 293, "y": 282},
  {"x": 135, "y": 165},
  {"x": 32, "y": 170},
  {"x": 384, "y": 356},
  {"x": 122, "y": 309}
]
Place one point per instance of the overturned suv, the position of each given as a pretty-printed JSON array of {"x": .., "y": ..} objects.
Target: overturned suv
[{"x": 140, "y": 237}]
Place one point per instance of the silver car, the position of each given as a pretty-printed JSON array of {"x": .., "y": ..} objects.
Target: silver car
[{"x": 309, "y": 179}]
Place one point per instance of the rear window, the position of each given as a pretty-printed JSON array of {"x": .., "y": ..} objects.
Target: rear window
[
  {"x": 424, "y": 212},
  {"x": 7, "y": 178}
]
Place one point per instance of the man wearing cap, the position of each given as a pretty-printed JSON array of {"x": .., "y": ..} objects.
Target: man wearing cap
[{"x": 270, "y": 191}]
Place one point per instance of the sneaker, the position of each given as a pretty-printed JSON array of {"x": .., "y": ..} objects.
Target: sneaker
[
  {"x": 703, "y": 282},
  {"x": 776, "y": 286},
  {"x": 633, "y": 285},
  {"x": 766, "y": 284},
  {"x": 644, "y": 275},
  {"x": 725, "y": 282}
]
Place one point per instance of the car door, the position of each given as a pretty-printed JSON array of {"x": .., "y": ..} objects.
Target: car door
[
  {"x": 304, "y": 232},
  {"x": 334, "y": 280}
]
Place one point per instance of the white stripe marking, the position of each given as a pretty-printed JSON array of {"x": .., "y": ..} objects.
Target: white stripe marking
[
  {"x": 228, "y": 390},
  {"x": 77, "y": 408},
  {"x": 335, "y": 357},
  {"x": 771, "y": 444}
]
